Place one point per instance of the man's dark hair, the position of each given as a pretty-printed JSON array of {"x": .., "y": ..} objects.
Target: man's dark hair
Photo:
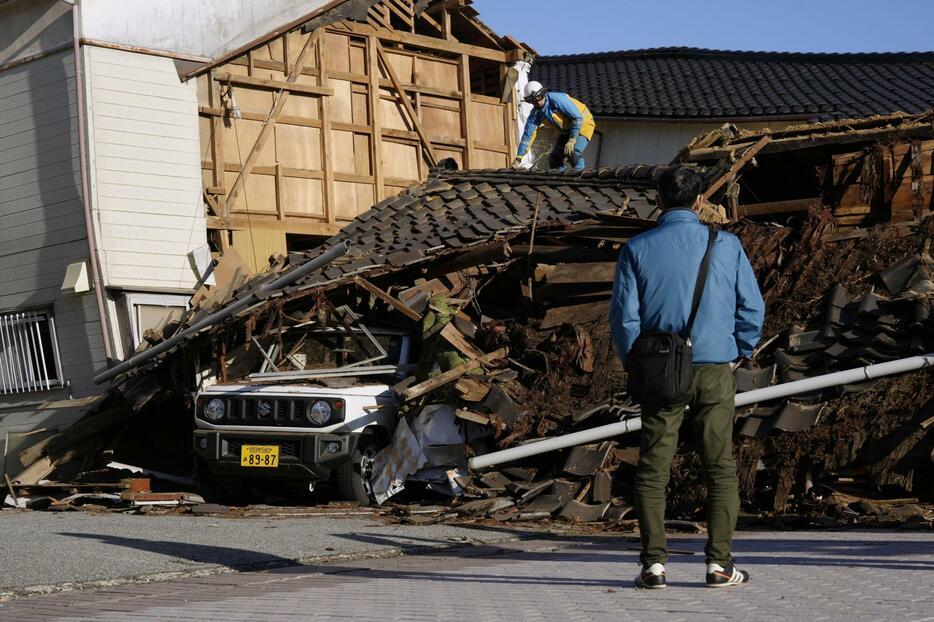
[{"x": 679, "y": 186}]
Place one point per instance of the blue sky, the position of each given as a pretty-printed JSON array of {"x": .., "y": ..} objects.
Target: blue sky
[{"x": 573, "y": 26}]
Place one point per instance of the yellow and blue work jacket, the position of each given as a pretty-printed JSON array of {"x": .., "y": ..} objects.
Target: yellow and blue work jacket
[{"x": 563, "y": 112}]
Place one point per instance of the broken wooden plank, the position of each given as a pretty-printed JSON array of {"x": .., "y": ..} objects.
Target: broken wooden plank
[
  {"x": 473, "y": 417},
  {"x": 471, "y": 390},
  {"x": 396, "y": 304},
  {"x": 452, "y": 374},
  {"x": 602, "y": 272},
  {"x": 748, "y": 155},
  {"x": 275, "y": 85},
  {"x": 457, "y": 339},
  {"x": 777, "y": 207},
  {"x": 576, "y": 314}
]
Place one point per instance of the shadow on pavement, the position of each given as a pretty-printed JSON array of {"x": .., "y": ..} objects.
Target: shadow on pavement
[{"x": 234, "y": 558}]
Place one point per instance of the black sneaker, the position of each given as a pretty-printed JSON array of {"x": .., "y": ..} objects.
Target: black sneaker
[
  {"x": 725, "y": 576},
  {"x": 652, "y": 577}
]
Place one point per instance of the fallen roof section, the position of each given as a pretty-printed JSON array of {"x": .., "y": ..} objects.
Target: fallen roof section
[{"x": 867, "y": 171}]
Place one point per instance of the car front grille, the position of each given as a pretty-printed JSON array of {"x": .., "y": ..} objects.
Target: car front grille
[{"x": 269, "y": 412}]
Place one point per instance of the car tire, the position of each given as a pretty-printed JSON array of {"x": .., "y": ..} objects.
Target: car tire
[
  {"x": 352, "y": 478},
  {"x": 219, "y": 490}
]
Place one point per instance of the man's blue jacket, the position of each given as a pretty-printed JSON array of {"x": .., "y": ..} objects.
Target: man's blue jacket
[{"x": 654, "y": 288}]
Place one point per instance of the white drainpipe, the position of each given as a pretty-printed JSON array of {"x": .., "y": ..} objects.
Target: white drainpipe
[{"x": 786, "y": 389}]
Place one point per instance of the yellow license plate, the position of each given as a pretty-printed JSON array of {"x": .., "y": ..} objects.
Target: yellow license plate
[{"x": 259, "y": 456}]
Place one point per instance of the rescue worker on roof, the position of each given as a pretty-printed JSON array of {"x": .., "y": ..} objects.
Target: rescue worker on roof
[{"x": 569, "y": 116}]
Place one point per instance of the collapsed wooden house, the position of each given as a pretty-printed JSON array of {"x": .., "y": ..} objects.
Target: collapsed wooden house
[
  {"x": 867, "y": 171},
  {"x": 286, "y": 118}
]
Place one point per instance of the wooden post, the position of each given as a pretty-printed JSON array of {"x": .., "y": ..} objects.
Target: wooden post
[
  {"x": 280, "y": 208},
  {"x": 407, "y": 105},
  {"x": 270, "y": 124},
  {"x": 446, "y": 22},
  {"x": 376, "y": 137},
  {"x": 330, "y": 209},
  {"x": 466, "y": 124},
  {"x": 217, "y": 147}
]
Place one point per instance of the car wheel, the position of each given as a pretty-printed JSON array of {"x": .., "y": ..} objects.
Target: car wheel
[{"x": 353, "y": 477}]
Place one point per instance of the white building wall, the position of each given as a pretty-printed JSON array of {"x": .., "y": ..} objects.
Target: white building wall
[
  {"x": 145, "y": 170},
  {"x": 651, "y": 142},
  {"x": 207, "y": 28}
]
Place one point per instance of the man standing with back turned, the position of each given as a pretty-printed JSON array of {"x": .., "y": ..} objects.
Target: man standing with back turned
[{"x": 653, "y": 291}]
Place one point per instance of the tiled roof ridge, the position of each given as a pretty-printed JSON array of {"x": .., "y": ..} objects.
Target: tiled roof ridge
[
  {"x": 631, "y": 175},
  {"x": 744, "y": 55}
]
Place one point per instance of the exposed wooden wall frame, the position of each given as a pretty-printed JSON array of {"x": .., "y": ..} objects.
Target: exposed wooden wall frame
[
  {"x": 366, "y": 113},
  {"x": 407, "y": 104},
  {"x": 268, "y": 126}
]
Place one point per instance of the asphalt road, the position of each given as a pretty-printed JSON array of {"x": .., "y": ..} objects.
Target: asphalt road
[
  {"x": 40, "y": 551},
  {"x": 846, "y": 576}
]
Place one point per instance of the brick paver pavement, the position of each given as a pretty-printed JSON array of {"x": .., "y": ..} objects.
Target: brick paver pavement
[{"x": 809, "y": 576}]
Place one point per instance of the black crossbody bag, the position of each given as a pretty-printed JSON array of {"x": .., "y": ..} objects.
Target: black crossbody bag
[{"x": 659, "y": 365}]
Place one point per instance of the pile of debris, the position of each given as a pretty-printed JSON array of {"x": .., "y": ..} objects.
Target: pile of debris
[{"x": 502, "y": 281}]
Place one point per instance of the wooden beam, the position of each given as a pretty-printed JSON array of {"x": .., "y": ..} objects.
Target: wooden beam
[
  {"x": 407, "y": 105},
  {"x": 217, "y": 146},
  {"x": 428, "y": 19},
  {"x": 327, "y": 148},
  {"x": 466, "y": 117},
  {"x": 398, "y": 305},
  {"x": 373, "y": 99},
  {"x": 452, "y": 374},
  {"x": 270, "y": 123},
  {"x": 808, "y": 141},
  {"x": 270, "y": 222},
  {"x": 273, "y": 85},
  {"x": 777, "y": 207},
  {"x": 748, "y": 155},
  {"x": 449, "y": 46}
]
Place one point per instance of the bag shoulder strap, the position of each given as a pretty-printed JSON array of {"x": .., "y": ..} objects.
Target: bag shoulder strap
[{"x": 701, "y": 280}]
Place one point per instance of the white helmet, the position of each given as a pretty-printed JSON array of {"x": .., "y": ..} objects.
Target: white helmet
[{"x": 532, "y": 92}]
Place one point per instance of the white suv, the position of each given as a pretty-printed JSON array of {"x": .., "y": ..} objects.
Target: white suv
[{"x": 300, "y": 431}]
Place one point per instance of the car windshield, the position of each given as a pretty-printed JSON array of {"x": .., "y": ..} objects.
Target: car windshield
[{"x": 329, "y": 349}]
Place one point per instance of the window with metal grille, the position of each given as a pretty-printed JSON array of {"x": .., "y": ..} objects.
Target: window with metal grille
[{"x": 29, "y": 359}]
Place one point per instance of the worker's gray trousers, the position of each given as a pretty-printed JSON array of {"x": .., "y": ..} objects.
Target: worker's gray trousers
[{"x": 711, "y": 411}]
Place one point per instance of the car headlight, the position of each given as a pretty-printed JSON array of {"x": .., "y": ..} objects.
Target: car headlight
[
  {"x": 319, "y": 412},
  {"x": 214, "y": 411}
]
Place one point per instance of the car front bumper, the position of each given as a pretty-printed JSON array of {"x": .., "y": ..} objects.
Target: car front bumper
[{"x": 304, "y": 456}]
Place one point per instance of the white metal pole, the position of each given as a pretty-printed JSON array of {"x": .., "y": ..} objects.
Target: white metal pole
[{"x": 786, "y": 389}]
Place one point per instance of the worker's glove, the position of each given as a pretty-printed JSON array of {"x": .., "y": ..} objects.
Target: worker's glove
[
  {"x": 517, "y": 162},
  {"x": 569, "y": 148}
]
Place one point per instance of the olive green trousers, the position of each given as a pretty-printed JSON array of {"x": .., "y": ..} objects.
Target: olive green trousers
[{"x": 711, "y": 412}]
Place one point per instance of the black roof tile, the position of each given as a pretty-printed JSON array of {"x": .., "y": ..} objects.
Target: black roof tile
[{"x": 681, "y": 82}]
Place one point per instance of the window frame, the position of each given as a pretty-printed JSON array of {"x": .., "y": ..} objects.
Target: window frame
[
  {"x": 154, "y": 300},
  {"x": 20, "y": 375}
]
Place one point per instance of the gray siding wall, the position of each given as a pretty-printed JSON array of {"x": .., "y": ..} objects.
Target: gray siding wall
[
  {"x": 30, "y": 27},
  {"x": 41, "y": 231}
]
